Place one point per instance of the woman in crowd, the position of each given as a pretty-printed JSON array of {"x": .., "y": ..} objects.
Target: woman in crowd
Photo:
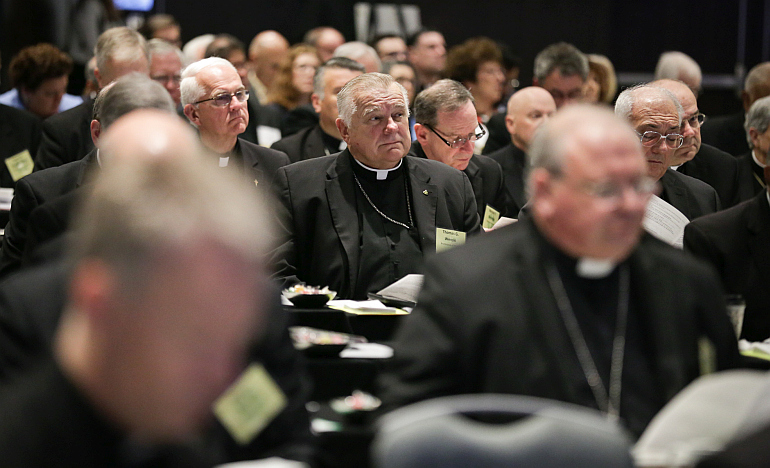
[{"x": 294, "y": 82}]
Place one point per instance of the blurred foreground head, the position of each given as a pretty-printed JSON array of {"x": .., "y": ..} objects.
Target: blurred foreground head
[{"x": 167, "y": 280}]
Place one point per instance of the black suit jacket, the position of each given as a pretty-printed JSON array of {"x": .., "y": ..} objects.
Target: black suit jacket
[
  {"x": 259, "y": 115},
  {"x": 261, "y": 163},
  {"x": 691, "y": 196},
  {"x": 487, "y": 180},
  {"x": 66, "y": 136},
  {"x": 719, "y": 170},
  {"x": 726, "y": 133},
  {"x": 19, "y": 131},
  {"x": 737, "y": 242},
  {"x": 514, "y": 164},
  {"x": 751, "y": 177},
  {"x": 486, "y": 321},
  {"x": 31, "y": 192},
  {"x": 319, "y": 225},
  {"x": 305, "y": 144}
]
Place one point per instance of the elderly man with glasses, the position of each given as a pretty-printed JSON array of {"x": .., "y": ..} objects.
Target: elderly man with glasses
[
  {"x": 704, "y": 162},
  {"x": 656, "y": 115},
  {"x": 214, "y": 100},
  {"x": 446, "y": 128}
]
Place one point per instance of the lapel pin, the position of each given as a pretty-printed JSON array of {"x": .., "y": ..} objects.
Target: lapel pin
[
  {"x": 256, "y": 182},
  {"x": 424, "y": 192}
]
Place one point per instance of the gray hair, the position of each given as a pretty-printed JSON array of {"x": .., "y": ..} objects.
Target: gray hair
[
  {"x": 624, "y": 105},
  {"x": 342, "y": 63},
  {"x": 676, "y": 65},
  {"x": 162, "y": 47},
  {"x": 189, "y": 87},
  {"x": 758, "y": 117},
  {"x": 127, "y": 93},
  {"x": 350, "y": 94},
  {"x": 119, "y": 44},
  {"x": 443, "y": 96},
  {"x": 563, "y": 57},
  {"x": 355, "y": 50}
]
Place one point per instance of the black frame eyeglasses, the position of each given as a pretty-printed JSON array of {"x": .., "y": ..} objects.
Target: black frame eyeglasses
[
  {"x": 224, "y": 99},
  {"x": 459, "y": 142}
]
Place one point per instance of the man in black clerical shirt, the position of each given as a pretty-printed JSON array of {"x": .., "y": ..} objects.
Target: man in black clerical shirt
[
  {"x": 322, "y": 139},
  {"x": 361, "y": 219},
  {"x": 446, "y": 128},
  {"x": 214, "y": 100},
  {"x": 573, "y": 303}
]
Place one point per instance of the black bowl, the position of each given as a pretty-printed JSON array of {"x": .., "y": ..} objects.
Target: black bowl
[{"x": 309, "y": 301}]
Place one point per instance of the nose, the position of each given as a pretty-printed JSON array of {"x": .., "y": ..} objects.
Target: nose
[
  {"x": 392, "y": 125},
  {"x": 687, "y": 130}
]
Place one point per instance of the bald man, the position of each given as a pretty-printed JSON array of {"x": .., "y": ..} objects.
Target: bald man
[
  {"x": 704, "y": 162},
  {"x": 528, "y": 108},
  {"x": 266, "y": 51}
]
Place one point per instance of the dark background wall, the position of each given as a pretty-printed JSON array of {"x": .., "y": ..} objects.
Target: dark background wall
[{"x": 631, "y": 33}]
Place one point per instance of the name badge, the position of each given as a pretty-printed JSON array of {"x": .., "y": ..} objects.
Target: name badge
[
  {"x": 249, "y": 404},
  {"x": 447, "y": 239},
  {"x": 491, "y": 216},
  {"x": 20, "y": 165}
]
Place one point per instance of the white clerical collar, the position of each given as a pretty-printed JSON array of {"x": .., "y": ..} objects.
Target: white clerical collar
[
  {"x": 223, "y": 161},
  {"x": 382, "y": 174},
  {"x": 98, "y": 159},
  {"x": 756, "y": 161},
  {"x": 594, "y": 268}
]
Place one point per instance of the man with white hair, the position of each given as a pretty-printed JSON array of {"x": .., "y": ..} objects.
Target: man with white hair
[
  {"x": 675, "y": 65},
  {"x": 361, "y": 53},
  {"x": 656, "y": 116},
  {"x": 214, "y": 100},
  {"x": 573, "y": 303},
  {"x": 361, "y": 219},
  {"x": 66, "y": 136},
  {"x": 166, "y": 63}
]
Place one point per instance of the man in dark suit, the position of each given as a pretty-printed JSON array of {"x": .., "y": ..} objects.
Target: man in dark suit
[
  {"x": 726, "y": 132},
  {"x": 359, "y": 220},
  {"x": 703, "y": 162},
  {"x": 572, "y": 303},
  {"x": 737, "y": 243},
  {"x": 161, "y": 312},
  {"x": 656, "y": 115},
  {"x": 751, "y": 165},
  {"x": 67, "y": 136},
  {"x": 214, "y": 100},
  {"x": 134, "y": 91},
  {"x": 528, "y": 108},
  {"x": 446, "y": 128},
  {"x": 19, "y": 132},
  {"x": 322, "y": 139}
]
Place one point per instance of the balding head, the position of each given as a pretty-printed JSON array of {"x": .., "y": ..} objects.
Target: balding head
[
  {"x": 675, "y": 65},
  {"x": 588, "y": 183},
  {"x": 528, "y": 108},
  {"x": 654, "y": 113},
  {"x": 690, "y": 123},
  {"x": 756, "y": 85},
  {"x": 266, "y": 52}
]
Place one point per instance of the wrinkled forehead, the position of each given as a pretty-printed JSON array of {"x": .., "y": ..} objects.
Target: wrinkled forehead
[
  {"x": 380, "y": 100},
  {"x": 655, "y": 114},
  {"x": 603, "y": 147}
]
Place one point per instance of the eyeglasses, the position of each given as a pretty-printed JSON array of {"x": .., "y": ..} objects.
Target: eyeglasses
[
  {"x": 224, "y": 99},
  {"x": 651, "y": 138},
  {"x": 459, "y": 142},
  {"x": 612, "y": 192},
  {"x": 696, "y": 120}
]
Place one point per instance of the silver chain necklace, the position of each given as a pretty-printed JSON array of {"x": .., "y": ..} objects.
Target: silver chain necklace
[
  {"x": 608, "y": 402},
  {"x": 408, "y": 205}
]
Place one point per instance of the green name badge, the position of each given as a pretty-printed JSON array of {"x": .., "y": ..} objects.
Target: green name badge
[
  {"x": 491, "y": 216},
  {"x": 20, "y": 165},
  {"x": 447, "y": 238},
  {"x": 249, "y": 404}
]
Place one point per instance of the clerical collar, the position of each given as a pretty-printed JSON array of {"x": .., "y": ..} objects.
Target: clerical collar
[
  {"x": 381, "y": 174},
  {"x": 594, "y": 268},
  {"x": 756, "y": 161}
]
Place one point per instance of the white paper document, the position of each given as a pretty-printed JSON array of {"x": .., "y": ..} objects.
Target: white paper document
[
  {"x": 665, "y": 222},
  {"x": 405, "y": 289}
]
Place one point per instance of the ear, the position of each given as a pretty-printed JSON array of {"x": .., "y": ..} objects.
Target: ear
[
  {"x": 343, "y": 129},
  {"x": 92, "y": 288},
  {"x": 535, "y": 82},
  {"x": 96, "y": 131},
  {"x": 540, "y": 184},
  {"x": 316, "y": 101},
  {"x": 754, "y": 136},
  {"x": 99, "y": 78},
  {"x": 191, "y": 112},
  {"x": 421, "y": 132},
  {"x": 509, "y": 123},
  {"x": 746, "y": 99}
]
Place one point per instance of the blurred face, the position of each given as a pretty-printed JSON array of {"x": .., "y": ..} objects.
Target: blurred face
[
  {"x": 268, "y": 65},
  {"x": 690, "y": 127},
  {"x": 302, "y": 72},
  {"x": 187, "y": 338},
  {"x": 114, "y": 69},
  {"x": 391, "y": 49},
  {"x": 451, "y": 125},
  {"x": 564, "y": 89},
  {"x": 334, "y": 80},
  {"x": 170, "y": 34},
  {"x": 429, "y": 53},
  {"x": 166, "y": 69},
  {"x": 658, "y": 115},
  {"x": 238, "y": 59},
  {"x": 404, "y": 75},
  {"x": 488, "y": 87},
  {"x": 44, "y": 101},
  {"x": 592, "y": 89},
  {"x": 230, "y": 120},
  {"x": 531, "y": 108},
  {"x": 583, "y": 223},
  {"x": 328, "y": 42},
  {"x": 378, "y": 135}
]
